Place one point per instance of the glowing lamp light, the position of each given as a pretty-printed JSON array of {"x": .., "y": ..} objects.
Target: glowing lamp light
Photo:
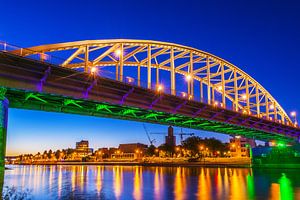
[
  {"x": 188, "y": 77},
  {"x": 129, "y": 79},
  {"x": 183, "y": 94},
  {"x": 216, "y": 103},
  {"x": 271, "y": 107},
  {"x": 160, "y": 88},
  {"x": 190, "y": 97},
  {"x": 244, "y": 96},
  {"x": 118, "y": 52},
  {"x": 244, "y": 111},
  {"x": 220, "y": 88},
  {"x": 293, "y": 114},
  {"x": 93, "y": 70}
]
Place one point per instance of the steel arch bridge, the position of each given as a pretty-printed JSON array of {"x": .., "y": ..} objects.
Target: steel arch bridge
[{"x": 209, "y": 79}]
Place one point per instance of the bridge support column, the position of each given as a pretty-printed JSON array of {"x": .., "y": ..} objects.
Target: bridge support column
[{"x": 3, "y": 125}]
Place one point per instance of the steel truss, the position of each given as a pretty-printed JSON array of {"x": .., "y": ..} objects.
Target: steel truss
[{"x": 212, "y": 80}]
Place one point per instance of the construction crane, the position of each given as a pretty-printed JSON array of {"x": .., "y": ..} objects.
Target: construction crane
[
  {"x": 181, "y": 134},
  {"x": 148, "y": 135}
]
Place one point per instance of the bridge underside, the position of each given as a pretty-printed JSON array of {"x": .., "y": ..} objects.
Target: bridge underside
[
  {"x": 53, "y": 103},
  {"x": 36, "y": 85}
]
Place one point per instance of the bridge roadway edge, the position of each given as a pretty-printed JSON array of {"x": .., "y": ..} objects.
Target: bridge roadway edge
[{"x": 23, "y": 94}]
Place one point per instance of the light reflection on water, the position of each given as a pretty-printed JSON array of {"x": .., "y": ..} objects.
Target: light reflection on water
[{"x": 136, "y": 182}]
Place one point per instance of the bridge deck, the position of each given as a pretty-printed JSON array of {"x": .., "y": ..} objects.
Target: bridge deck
[{"x": 37, "y": 85}]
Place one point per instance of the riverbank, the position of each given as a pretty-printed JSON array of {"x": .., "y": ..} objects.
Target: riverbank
[
  {"x": 242, "y": 163},
  {"x": 174, "y": 162},
  {"x": 190, "y": 164}
]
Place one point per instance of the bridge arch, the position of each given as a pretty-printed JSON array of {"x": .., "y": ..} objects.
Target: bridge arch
[{"x": 209, "y": 78}]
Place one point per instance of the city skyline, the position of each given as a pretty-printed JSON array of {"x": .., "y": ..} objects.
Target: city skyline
[
  {"x": 96, "y": 138},
  {"x": 262, "y": 53}
]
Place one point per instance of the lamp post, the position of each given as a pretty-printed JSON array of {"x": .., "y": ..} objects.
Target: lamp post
[
  {"x": 294, "y": 114},
  {"x": 188, "y": 79}
]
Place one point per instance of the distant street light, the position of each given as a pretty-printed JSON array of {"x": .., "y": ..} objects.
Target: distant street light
[
  {"x": 294, "y": 114},
  {"x": 183, "y": 94}
]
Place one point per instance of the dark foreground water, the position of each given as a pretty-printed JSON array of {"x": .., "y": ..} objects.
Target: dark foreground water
[{"x": 134, "y": 182}]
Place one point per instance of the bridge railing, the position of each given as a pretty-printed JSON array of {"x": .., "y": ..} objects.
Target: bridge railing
[{"x": 45, "y": 57}]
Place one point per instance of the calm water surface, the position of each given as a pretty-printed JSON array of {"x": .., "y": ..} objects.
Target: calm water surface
[{"x": 134, "y": 182}]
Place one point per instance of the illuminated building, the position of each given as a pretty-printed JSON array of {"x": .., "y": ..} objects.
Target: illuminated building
[
  {"x": 129, "y": 151},
  {"x": 82, "y": 148},
  {"x": 170, "y": 138},
  {"x": 239, "y": 148},
  {"x": 132, "y": 147}
]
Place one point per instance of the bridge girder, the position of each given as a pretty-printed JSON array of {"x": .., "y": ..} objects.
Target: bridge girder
[
  {"x": 213, "y": 80},
  {"x": 65, "y": 90}
]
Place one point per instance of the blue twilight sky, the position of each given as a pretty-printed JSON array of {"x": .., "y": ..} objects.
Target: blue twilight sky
[{"x": 261, "y": 37}]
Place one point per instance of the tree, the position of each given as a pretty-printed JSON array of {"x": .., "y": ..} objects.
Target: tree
[
  {"x": 45, "y": 155},
  {"x": 195, "y": 144},
  {"x": 167, "y": 148},
  {"x": 49, "y": 153},
  {"x": 214, "y": 145},
  {"x": 150, "y": 150},
  {"x": 192, "y": 144},
  {"x": 57, "y": 154}
]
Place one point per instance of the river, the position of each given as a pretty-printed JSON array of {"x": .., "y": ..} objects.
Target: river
[{"x": 136, "y": 182}]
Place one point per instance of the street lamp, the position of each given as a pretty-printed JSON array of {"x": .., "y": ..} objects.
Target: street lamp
[
  {"x": 159, "y": 88},
  {"x": 294, "y": 114},
  {"x": 244, "y": 96},
  {"x": 220, "y": 88},
  {"x": 183, "y": 94},
  {"x": 188, "y": 77},
  {"x": 129, "y": 79},
  {"x": 118, "y": 52},
  {"x": 93, "y": 70}
]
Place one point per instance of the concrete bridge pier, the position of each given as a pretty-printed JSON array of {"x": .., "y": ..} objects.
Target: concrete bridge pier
[{"x": 3, "y": 125}]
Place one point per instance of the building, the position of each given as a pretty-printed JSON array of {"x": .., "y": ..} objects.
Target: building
[
  {"x": 82, "y": 149},
  {"x": 129, "y": 151},
  {"x": 132, "y": 147},
  {"x": 102, "y": 153},
  {"x": 170, "y": 139},
  {"x": 239, "y": 146}
]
